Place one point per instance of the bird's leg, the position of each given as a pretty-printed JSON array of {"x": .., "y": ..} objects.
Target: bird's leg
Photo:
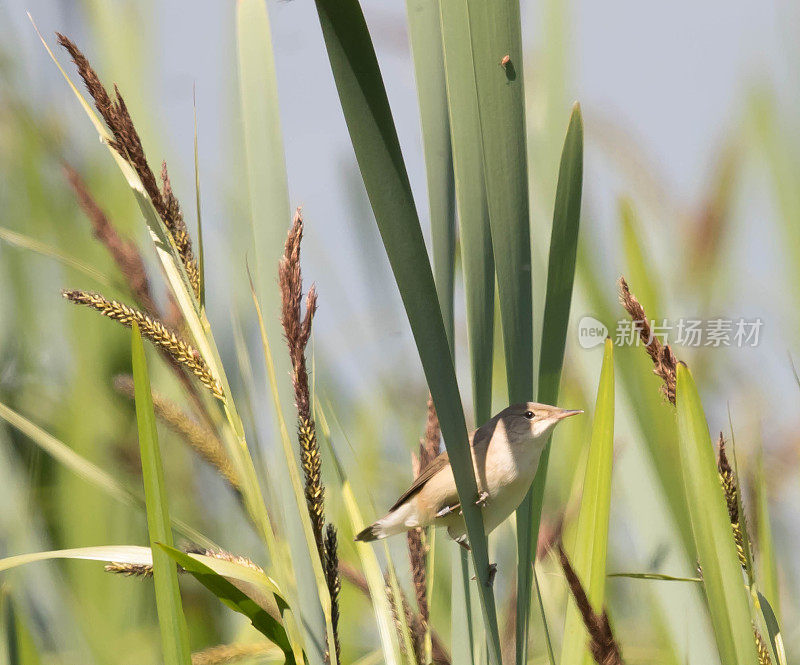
[
  {"x": 481, "y": 501},
  {"x": 447, "y": 510}
]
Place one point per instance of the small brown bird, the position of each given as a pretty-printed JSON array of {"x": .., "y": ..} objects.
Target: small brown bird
[{"x": 505, "y": 456}]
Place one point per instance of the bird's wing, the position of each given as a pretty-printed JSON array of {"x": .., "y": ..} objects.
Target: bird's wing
[{"x": 438, "y": 463}]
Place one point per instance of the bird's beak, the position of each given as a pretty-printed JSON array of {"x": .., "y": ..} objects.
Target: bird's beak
[{"x": 564, "y": 413}]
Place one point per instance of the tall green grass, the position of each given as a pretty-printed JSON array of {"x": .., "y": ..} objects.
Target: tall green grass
[{"x": 85, "y": 490}]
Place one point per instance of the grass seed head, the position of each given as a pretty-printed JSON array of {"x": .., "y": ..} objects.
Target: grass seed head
[
  {"x": 602, "y": 645},
  {"x": 155, "y": 331},
  {"x": 664, "y": 361}
]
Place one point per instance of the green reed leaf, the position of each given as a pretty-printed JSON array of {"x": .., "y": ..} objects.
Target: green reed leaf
[
  {"x": 234, "y": 597},
  {"x": 716, "y": 552},
  {"x": 591, "y": 538},
  {"x": 174, "y": 633},
  {"x": 477, "y": 259},
  {"x": 558, "y": 301},
  {"x": 374, "y": 138},
  {"x": 425, "y": 33}
]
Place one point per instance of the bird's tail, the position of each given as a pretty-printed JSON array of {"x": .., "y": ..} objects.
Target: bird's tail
[
  {"x": 372, "y": 532},
  {"x": 397, "y": 521}
]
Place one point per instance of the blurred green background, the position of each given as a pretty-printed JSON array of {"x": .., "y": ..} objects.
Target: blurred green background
[{"x": 690, "y": 190}]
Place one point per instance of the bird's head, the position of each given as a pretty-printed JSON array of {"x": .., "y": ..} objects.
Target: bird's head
[{"x": 531, "y": 420}]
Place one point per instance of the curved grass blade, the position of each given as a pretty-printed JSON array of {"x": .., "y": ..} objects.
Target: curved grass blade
[
  {"x": 655, "y": 577},
  {"x": 234, "y": 598},
  {"x": 26, "y": 242},
  {"x": 374, "y": 138},
  {"x": 716, "y": 552},
  {"x": 591, "y": 537},
  {"x": 558, "y": 300},
  {"x": 424, "y": 29},
  {"x": 174, "y": 633}
]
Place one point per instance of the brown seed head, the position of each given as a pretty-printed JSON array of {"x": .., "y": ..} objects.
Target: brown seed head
[
  {"x": 602, "y": 645},
  {"x": 664, "y": 360}
]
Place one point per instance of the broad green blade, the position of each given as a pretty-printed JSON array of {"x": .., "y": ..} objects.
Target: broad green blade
[
  {"x": 174, "y": 633},
  {"x": 716, "y": 552},
  {"x": 558, "y": 300},
  {"x": 591, "y": 539},
  {"x": 374, "y": 138},
  {"x": 477, "y": 259},
  {"x": 233, "y": 597},
  {"x": 424, "y": 30},
  {"x": 496, "y": 38}
]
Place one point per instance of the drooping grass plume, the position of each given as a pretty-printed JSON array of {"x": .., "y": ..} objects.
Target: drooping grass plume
[
  {"x": 128, "y": 144},
  {"x": 603, "y": 647},
  {"x": 334, "y": 583},
  {"x": 124, "y": 252},
  {"x": 664, "y": 360},
  {"x": 225, "y": 654},
  {"x": 155, "y": 331},
  {"x": 730, "y": 486},
  {"x": 196, "y": 435},
  {"x": 297, "y": 330}
]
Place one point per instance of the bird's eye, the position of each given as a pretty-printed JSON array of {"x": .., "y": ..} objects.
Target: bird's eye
[{"x": 529, "y": 415}]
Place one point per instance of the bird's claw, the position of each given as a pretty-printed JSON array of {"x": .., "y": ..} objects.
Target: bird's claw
[
  {"x": 482, "y": 498},
  {"x": 490, "y": 576}
]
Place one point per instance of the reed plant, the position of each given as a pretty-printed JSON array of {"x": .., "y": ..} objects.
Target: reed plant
[{"x": 285, "y": 479}]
